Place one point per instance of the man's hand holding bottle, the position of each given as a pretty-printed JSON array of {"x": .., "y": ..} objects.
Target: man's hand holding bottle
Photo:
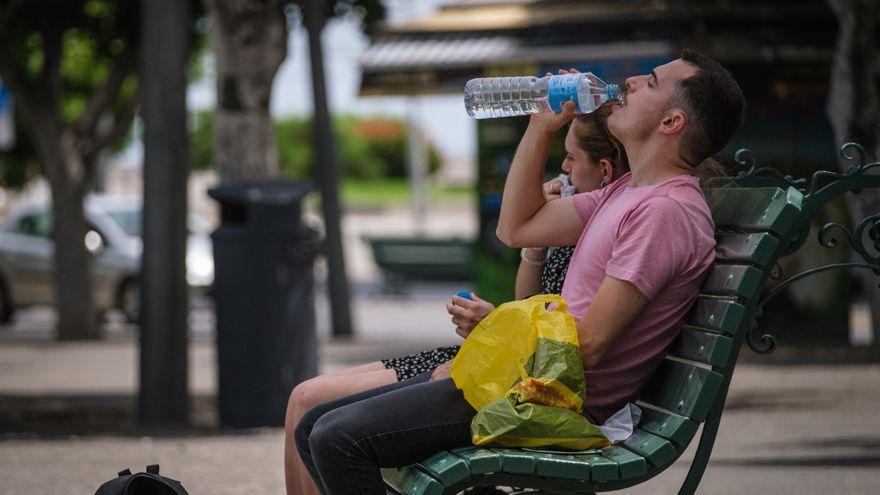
[{"x": 549, "y": 123}]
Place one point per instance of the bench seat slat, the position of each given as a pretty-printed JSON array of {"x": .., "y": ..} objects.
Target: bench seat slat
[
  {"x": 479, "y": 460},
  {"x": 755, "y": 209},
  {"x": 658, "y": 451},
  {"x": 516, "y": 461},
  {"x": 679, "y": 429},
  {"x": 629, "y": 464},
  {"x": 721, "y": 315},
  {"x": 412, "y": 481},
  {"x": 684, "y": 389},
  {"x": 561, "y": 466},
  {"x": 601, "y": 468},
  {"x": 733, "y": 280},
  {"x": 756, "y": 248},
  {"x": 703, "y": 347},
  {"x": 446, "y": 467}
]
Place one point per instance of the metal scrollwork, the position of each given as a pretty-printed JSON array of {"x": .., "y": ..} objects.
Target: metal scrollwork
[
  {"x": 746, "y": 158},
  {"x": 858, "y": 168},
  {"x": 834, "y": 184},
  {"x": 845, "y": 152},
  {"x": 852, "y": 152},
  {"x": 797, "y": 240},
  {"x": 757, "y": 176},
  {"x": 828, "y": 239},
  {"x": 760, "y": 345},
  {"x": 765, "y": 344},
  {"x": 830, "y": 236},
  {"x": 776, "y": 272}
]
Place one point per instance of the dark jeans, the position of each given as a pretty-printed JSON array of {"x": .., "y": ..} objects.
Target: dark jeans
[{"x": 344, "y": 443}]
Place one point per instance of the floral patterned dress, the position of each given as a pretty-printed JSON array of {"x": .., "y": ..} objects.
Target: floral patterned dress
[{"x": 552, "y": 278}]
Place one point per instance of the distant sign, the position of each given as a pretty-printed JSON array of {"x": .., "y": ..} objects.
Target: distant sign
[{"x": 7, "y": 119}]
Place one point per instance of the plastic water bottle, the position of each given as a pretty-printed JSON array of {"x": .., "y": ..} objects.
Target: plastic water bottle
[{"x": 490, "y": 97}]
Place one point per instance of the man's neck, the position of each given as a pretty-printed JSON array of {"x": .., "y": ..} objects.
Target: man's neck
[{"x": 651, "y": 164}]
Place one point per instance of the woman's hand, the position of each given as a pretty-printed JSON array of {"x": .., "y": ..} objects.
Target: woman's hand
[
  {"x": 467, "y": 314},
  {"x": 548, "y": 123},
  {"x": 552, "y": 189},
  {"x": 441, "y": 372}
]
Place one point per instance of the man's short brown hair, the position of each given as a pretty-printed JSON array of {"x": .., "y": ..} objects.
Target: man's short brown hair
[{"x": 714, "y": 104}]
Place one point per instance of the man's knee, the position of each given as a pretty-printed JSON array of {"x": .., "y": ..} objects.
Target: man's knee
[{"x": 329, "y": 436}]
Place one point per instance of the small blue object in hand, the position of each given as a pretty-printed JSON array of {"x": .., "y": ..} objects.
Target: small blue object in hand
[{"x": 465, "y": 294}]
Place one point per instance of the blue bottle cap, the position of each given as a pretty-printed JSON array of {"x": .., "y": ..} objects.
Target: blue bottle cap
[{"x": 465, "y": 294}]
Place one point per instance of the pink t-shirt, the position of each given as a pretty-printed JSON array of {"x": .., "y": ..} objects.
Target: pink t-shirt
[{"x": 661, "y": 239}]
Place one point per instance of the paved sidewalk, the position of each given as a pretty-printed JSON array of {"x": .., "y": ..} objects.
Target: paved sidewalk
[
  {"x": 803, "y": 428},
  {"x": 66, "y": 408}
]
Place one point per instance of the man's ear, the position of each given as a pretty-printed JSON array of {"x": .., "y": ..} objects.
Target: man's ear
[{"x": 674, "y": 121}]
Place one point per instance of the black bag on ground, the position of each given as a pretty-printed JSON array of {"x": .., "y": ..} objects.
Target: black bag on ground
[{"x": 149, "y": 483}]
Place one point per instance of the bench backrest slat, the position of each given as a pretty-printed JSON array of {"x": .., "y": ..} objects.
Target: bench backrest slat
[
  {"x": 755, "y": 248},
  {"x": 704, "y": 347},
  {"x": 754, "y": 209},
  {"x": 749, "y": 225},
  {"x": 684, "y": 389},
  {"x": 720, "y": 315},
  {"x": 733, "y": 280}
]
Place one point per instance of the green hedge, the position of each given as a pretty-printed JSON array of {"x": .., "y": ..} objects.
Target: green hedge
[{"x": 366, "y": 148}]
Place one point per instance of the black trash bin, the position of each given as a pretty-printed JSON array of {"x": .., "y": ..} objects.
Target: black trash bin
[{"x": 264, "y": 298}]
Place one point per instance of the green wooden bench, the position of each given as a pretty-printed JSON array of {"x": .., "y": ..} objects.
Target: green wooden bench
[
  {"x": 421, "y": 258},
  {"x": 760, "y": 216}
]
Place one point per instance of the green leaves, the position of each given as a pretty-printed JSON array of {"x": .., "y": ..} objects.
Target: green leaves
[{"x": 367, "y": 148}]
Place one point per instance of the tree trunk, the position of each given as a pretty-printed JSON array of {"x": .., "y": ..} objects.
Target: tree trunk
[
  {"x": 250, "y": 41},
  {"x": 854, "y": 111},
  {"x": 65, "y": 169},
  {"x": 77, "y": 318},
  {"x": 66, "y": 150}
]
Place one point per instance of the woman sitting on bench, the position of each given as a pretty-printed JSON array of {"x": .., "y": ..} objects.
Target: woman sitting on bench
[{"x": 593, "y": 158}]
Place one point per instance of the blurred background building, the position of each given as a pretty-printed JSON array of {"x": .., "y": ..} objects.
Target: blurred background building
[{"x": 395, "y": 91}]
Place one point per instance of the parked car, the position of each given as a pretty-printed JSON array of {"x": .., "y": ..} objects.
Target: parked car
[{"x": 113, "y": 238}]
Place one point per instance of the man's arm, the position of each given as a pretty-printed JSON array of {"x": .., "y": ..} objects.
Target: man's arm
[
  {"x": 616, "y": 305},
  {"x": 526, "y": 219}
]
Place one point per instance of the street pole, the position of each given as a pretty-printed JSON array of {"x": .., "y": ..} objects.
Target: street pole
[
  {"x": 328, "y": 173},
  {"x": 417, "y": 152},
  {"x": 164, "y": 304}
]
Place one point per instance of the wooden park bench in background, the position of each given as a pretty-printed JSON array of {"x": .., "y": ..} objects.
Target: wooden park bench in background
[
  {"x": 760, "y": 216},
  {"x": 403, "y": 259}
]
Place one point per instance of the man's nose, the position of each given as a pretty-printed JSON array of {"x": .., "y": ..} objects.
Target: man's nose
[{"x": 631, "y": 83}]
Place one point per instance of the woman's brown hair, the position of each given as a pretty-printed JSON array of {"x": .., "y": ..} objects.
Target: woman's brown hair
[
  {"x": 593, "y": 137},
  {"x": 707, "y": 170}
]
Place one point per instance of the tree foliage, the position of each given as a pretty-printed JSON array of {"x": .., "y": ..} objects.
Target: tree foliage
[
  {"x": 63, "y": 52},
  {"x": 83, "y": 54}
]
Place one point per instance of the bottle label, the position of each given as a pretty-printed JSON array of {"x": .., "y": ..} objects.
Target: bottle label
[{"x": 562, "y": 88}]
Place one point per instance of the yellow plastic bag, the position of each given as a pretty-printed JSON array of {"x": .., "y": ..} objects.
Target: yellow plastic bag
[{"x": 521, "y": 370}]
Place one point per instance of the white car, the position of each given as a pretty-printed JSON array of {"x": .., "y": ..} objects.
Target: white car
[{"x": 113, "y": 238}]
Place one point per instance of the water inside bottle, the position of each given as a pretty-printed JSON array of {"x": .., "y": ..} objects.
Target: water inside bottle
[
  {"x": 494, "y": 97},
  {"x": 504, "y": 97}
]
